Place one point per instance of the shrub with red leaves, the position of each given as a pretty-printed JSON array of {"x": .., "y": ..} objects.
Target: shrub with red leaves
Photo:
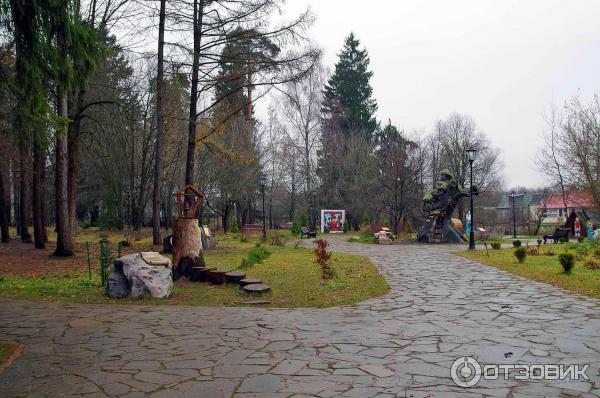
[{"x": 323, "y": 258}]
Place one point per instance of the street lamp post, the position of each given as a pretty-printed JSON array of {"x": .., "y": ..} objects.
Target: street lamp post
[
  {"x": 262, "y": 178},
  {"x": 471, "y": 152},
  {"x": 513, "y": 195}
]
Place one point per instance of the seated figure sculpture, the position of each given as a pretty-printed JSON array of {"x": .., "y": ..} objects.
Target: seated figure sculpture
[{"x": 438, "y": 206}]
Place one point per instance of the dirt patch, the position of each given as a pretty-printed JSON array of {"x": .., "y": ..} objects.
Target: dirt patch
[
  {"x": 22, "y": 259},
  {"x": 12, "y": 351}
]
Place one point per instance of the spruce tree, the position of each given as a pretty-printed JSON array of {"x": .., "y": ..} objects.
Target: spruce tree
[{"x": 348, "y": 105}]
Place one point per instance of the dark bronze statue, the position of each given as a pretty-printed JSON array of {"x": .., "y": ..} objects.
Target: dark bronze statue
[{"x": 439, "y": 205}]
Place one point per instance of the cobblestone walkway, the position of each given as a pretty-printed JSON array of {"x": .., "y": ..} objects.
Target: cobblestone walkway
[{"x": 441, "y": 307}]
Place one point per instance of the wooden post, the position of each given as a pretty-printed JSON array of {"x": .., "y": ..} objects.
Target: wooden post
[{"x": 187, "y": 247}]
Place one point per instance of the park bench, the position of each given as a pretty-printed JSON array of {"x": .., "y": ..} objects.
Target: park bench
[
  {"x": 308, "y": 232},
  {"x": 252, "y": 227},
  {"x": 287, "y": 226},
  {"x": 557, "y": 235}
]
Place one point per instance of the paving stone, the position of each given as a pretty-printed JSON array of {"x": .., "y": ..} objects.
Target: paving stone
[
  {"x": 440, "y": 307},
  {"x": 288, "y": 367},
  {"x": 262, "y": 384},
  {"x": 116, "y": 389},
  {"x": 378, "y": 371}
]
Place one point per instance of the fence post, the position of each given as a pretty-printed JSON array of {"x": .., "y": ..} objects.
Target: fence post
[
  {"x": 89, "y": 265},
  {"x": 102, "y": 261},
  {"x": 119, "y": 248}
]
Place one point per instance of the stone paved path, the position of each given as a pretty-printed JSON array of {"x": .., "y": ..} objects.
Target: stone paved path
[{"x": 441, "y": 307}]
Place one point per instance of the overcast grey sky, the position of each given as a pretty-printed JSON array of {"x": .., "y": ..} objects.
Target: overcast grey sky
[{"x": 501, "y": 61}]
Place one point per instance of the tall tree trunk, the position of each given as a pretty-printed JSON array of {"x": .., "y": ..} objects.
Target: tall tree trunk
[
  {"x": 43, "y": 206},
  {"x": 15, "y": 195},
  {"x": 156, "y": 240},
  {"x": 73, "y": 156},
  {"x": 38, "y": 187},
  {"x": 4, "y": 210},
  {"x": 23, "y": 197},
  {"x": 191, "y": 149},
  {"x": 64, "y": 238}
]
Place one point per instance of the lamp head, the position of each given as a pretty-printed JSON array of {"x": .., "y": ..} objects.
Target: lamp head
[
  {"x": 262, "y": 179},
  {"x": 471, "y": 153}
]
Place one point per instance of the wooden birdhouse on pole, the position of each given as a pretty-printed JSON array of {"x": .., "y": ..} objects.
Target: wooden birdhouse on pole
[{"x": 188, "y": 200}]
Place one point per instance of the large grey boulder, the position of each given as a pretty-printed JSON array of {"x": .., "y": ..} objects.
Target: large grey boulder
[{"x": 137, "y": 274}]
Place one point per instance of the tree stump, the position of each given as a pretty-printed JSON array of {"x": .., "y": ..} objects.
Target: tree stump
[
  {"x": 198, "y": 274},
  {"x": 245, "y": 282},
  {"x": 235, "y": 276},
  {"x": 187, "y": 247},
  {"x": 216, "y": 277},
  {"x": 257, "y": 288}
]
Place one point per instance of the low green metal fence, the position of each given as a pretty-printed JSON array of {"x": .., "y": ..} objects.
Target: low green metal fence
[{"x": 106, "y": 258}]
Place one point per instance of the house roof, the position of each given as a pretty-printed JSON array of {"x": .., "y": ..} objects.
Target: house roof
[
  {"x": 582, "y": 200},
  {"x": 527, "y": 199}
]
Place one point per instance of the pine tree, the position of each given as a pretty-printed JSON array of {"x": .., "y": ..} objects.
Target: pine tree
[{"x": 348, "y": 105}]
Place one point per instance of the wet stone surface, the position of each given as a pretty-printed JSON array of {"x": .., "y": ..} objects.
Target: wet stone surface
[{"x": 440, "y": 307}]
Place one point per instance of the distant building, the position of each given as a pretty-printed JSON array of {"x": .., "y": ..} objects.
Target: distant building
[
  {"x": 526, "y": 206},
  {"x": 580, "y": 202}
]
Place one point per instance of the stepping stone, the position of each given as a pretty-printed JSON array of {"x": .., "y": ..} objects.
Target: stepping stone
[
  {"x": 235, "y": 276},
  {"x": 198, "y": 274},
  {"x": 216, "y": 277},
  {"x": 257, "y": 288},
  {"x": 250, "y": 281}
]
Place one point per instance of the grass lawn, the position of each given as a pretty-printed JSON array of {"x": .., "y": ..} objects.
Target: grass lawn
[
  {"x": 546, "y": 268},
  {"x": 294, "y": 278},
  {"x": 7, "y": 351}
]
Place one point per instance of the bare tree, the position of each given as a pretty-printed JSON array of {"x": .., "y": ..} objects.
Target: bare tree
[
  {"x": 457, "y": 134},
  {"x": 301, "y": 108},
  {"x": 580, "y": 144},
  {"x": 541, "y": 210},
  {"x": 549, "y": 159}
]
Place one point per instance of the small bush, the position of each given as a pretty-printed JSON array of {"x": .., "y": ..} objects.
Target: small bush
[
  {"x": 516, "y": 243},
  {"x": 298, "y": 222},
  {"x": 496, "y": 245},
  {"x": 533, "y": 251},
  {"x": 255, "y": 256},
  {"x": 233, "y": 224},
  {"x": 549, "y": 252},
  {"x": 520, "y": 253},
  {"x": 567, "y": 260},
  {"x": 322, "y": 258},
  {"x": 244, "y": 238},
  {"x": 580, "y": 239},
  {"x": 563, "y": 239},
  {"x": 346, "y": 226}
]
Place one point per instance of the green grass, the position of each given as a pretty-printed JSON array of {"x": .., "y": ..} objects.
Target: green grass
[
  {"x": 294, "y": 278},
  {"x": 545, "y": 268}
]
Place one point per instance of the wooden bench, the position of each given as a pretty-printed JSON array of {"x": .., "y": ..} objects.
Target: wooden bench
[
  {"x": 286, "y": 226},
  {"x": 308, "y": 232},
  {"x": 252, "y": 227},
  {"x": 558, "y": 234}
]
